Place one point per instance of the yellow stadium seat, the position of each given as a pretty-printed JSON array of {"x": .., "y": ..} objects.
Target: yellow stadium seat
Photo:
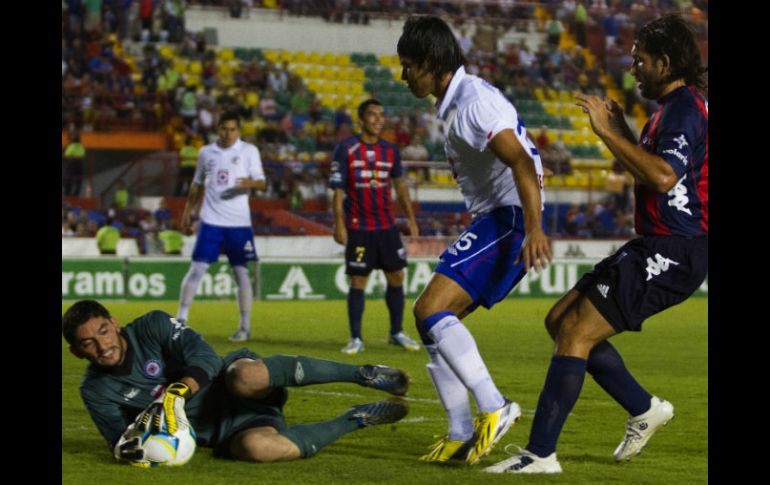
[
  {"x": 224, "y": 69},
  {"x": 329, "y": 73},
  {"x": 314, "y": 72},
  {"x": 356, "y": 74},
  {"x": 284, "y": 56},
  {"x": 328, "y": 100},
  {"x": 166, "y": 52},
  {"x": 328, "y": 59},
  {"x": 252, "y": 99},
  {"x": 270, "y": 4},
  {"x": 342, "y": 59},
  {"x": 226, "y": 55},
  {"x": 314, "y": 58},
  {"x": 271, "y": 55},
  {"x": 299, "y": 69},
  {"x": 540, "y": 94},
  {"x": 195, "y": 68},
  {"x": 313, "y": 85},
  {"x": 248, "y": 129},
  {"x": 300, "y": 57}
]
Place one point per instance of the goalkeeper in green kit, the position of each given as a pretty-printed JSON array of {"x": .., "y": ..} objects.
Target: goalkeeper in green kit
[{"x": 156, "y": 373}]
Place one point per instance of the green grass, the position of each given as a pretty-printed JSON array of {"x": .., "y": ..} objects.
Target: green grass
[{"x": 670, "y": 359}]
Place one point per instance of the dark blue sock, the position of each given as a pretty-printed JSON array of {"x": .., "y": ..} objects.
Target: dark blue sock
[
  {"x": 394, "y": 298},
  {"x": 355, "y": 311},
  {"x": 608, "y": 370},
  {"x": 560, "y": 392}
]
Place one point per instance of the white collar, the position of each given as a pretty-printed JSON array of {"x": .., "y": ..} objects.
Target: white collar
[
  {"x": 234, "y": 146},
  {"x": 446, "y": 101}
]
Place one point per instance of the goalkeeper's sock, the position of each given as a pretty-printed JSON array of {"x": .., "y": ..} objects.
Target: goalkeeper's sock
[
  {"x": 608, "y": 370},
  {"x": 310, "y": 438},
  {"x": 298, "y": 370}
]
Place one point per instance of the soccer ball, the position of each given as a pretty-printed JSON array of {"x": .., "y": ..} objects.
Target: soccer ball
[{"x": 163, "y": 448}]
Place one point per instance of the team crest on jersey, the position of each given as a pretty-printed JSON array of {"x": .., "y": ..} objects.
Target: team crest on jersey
[
  {"x": 222, "y": 177},
  {"x": 152, "y": 368}
]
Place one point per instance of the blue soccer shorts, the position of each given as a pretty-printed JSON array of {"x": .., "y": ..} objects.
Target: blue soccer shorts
[
  {"x": 481, "y": 260},
  {"x": 236, "y": 242}
]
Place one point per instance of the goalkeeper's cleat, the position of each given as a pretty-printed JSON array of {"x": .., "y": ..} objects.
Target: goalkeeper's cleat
[
  {"x": 639, "y": 429},
  {"x": 382, "y": 412},
  {"x": 355, "y": 346},
  {"x": 383, "y": 378},
  {"x": 446, "y": 449},
  {"x": 404, "y": 341},
  {"x": 526, "y": 462},
  {"x": 240, "y": 335},
  {"x": 489, "y": 427}
]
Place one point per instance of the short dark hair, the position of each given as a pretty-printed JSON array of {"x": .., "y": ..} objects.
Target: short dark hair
[
  {"x": 229, "y": 115},
  {"x": 429, "y": 42},
  {"x": 362, "y": 107},
  {"x": 671, "y": 35},
  {"x": 78, "y": 314}
]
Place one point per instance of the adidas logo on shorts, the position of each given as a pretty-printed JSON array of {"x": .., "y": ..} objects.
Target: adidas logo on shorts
[{"x": 603, "y": 289}]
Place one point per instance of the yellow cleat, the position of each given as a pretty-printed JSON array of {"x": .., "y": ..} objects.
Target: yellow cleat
[
  {"x": 445, "y": 449},
  {"x": 490, "y": 427}
]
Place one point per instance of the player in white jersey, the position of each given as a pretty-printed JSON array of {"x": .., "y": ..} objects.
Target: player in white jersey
[
  {"x": 227, "y": 170},
  {"x": 500, "y": 175}
]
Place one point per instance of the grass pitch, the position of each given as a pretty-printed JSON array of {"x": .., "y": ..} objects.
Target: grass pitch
[{"x": 670, "y": 358}]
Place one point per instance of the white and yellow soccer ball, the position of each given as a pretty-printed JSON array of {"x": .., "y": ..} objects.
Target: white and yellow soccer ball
[{"x": 165, "y": 449}]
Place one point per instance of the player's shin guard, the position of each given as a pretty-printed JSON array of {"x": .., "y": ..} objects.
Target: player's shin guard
[
  {"x": 457, "y": 346},
  {"x": 561, "y": 390},
  {"x": 310, "y": 438},
  {"x": 394, "y": 299},
  {"x": 607, "y": 368},
  {"x": 298, "y": 370},
  {"x": 245, "y": 296},
  {"x": 189, "y": 287}
]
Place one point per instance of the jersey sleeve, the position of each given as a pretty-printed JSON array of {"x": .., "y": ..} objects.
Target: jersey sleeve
[
  {"x": 484, "y": 119},
  {"x": 256, "y": 172},
  {"x": 200, "y": 169},
  {"x": 338, "y": 177},
  {"x": 106, "y": 415},
  {"x": 677, "y": 134},
  {"x": 398, "y": 169},
  {"x": 185, "y": 345}
]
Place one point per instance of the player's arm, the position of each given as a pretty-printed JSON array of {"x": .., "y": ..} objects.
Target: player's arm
[
  {"x": 536, "y": 249},
  {"x": 648, "y": 169},
  {"x": 340, "y": 231},
  {"x": 402, "y": 195}
]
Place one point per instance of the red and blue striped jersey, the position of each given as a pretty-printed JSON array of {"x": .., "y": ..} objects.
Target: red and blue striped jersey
[
  {"x": 363, "y": 171},
  {"x": 678, "y": 133}
]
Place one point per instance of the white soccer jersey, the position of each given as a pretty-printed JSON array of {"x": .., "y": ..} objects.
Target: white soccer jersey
[
  {"x": 473, "y": 112},
  {"x": 218, "y": 169}
]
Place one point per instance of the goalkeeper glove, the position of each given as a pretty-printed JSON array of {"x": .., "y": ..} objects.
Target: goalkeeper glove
[
  {"x": 167, "y": 412},
  {"x": 129, "y": 448}
]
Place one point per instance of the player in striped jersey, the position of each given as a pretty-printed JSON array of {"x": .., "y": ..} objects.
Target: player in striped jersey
[
  {"x": 362, "y": 168},
  {"x": 655, "y": 271}
]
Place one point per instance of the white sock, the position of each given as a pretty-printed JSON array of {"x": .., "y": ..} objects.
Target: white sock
[
  {"x": 453, "y": 395},
  {"x": 245, "y": 296},
  {"x": 455, "y": 344},
  {"x": 190, "y": 287}
]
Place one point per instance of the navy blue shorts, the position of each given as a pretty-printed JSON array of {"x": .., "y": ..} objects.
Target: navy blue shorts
[
  {"x": 481, "y": 259},
  {"x": 236, "y": 242},
  {"x": 368, "y": 250},
  {"x": 644, "y": 277}
]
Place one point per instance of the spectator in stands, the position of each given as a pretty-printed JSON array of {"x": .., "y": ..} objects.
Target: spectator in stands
[
  {"x": 171, "y": 239},
  {"x": 277, "y": 80},
  {"x": 66, "y": 230},
  {"x": 107, "y": 238},
  {"x": 188, "y": 160},
  {"x": 415, "y": 150},
  {"x": 146, "y": 10},
  {"x": 120, "y": 198},
  {"x": 74, "y": 165},
  {"x": 163, "y": 215}
]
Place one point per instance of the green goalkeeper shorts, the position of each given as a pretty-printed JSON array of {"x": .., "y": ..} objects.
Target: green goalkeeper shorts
[{"x": 222, "y": 415}]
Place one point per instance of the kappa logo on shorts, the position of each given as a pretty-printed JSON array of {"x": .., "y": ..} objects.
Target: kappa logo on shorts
[
  {"x": 152, "y": 368},
  {"x": 658, "y": 265},
  {"x": 603, "y": 289}
]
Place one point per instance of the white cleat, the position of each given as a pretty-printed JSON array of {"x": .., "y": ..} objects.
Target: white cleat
[
  {"x": 526, "y": 462},
  {"x": 355, "y": 346},
  {"x": 639, "y": 429},
  {"x": 240, "y": 335},
  {"x": 404, "y": 341}
]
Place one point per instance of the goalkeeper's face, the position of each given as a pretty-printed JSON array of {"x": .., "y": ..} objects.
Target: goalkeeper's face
[{"x": 98, "y": 340}]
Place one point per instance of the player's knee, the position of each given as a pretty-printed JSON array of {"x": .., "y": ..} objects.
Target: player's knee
[
  {"x": 552, "y": 323},
  {"x": 266, "y": 449},
  {"x": 247, "y": 378},
  {"x": 422, "y": 309}
]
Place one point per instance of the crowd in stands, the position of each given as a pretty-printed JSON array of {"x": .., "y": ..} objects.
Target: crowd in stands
[{"x": 132, "y": 65}]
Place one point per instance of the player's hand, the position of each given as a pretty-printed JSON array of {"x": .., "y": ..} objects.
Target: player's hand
[
  {"x": 535, "y": 250},
  {"x": 167, "y": 412},
  {"x": 414, "y": 229},
  {"x": 129, "y": 447},
  {"x": 600, "y": 112},
  {"x": 340, "y": 234}
]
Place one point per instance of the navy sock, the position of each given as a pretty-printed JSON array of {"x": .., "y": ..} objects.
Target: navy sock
[
  {"x": 355, "y": 311},
  {"x": 394, "y": 298},
  {"x": 560, "y": 392},
  {"x": 608, "y": 370}
]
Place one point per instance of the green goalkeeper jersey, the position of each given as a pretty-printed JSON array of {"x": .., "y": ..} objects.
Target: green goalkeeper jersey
[{"x": 160, "y": 351}]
